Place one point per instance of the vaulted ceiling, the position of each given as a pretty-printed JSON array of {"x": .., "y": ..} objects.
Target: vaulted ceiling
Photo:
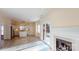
[{"x": 25, "y": 14}]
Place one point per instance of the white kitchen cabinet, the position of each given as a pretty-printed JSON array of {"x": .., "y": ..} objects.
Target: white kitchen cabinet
[{"x": 23, "y": 34}]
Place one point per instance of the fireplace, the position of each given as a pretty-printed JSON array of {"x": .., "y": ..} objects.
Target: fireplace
[{"x": 63, "y": 45}]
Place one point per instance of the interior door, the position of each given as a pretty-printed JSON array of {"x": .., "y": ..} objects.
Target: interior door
[
  {"x": 12, "y": 32},
  {"x": 47, "y": 37},
  {"x": 43, "y": 31},
  {"x": 46, "y": 33}
]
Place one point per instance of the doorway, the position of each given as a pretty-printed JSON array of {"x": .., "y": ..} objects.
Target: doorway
[
  {"x": 46, "y": 33},
  {"x": 43, "y": 31},
  {"x": 12, "y": 32}
]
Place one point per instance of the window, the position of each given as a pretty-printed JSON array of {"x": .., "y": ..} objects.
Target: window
[
  {"x": 2, "y": 30},
  {"x": 22, "y": 27},
  {"x": 37, "y": 28}
]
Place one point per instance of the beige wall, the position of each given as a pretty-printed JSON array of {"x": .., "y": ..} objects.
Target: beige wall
[{"x": 64, "y": 17}]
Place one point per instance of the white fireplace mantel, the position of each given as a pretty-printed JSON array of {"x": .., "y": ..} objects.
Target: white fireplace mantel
[{"x": 74, "y": 38}]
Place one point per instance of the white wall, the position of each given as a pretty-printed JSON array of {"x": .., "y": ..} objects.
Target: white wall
[{"x": 7, "y": 33}]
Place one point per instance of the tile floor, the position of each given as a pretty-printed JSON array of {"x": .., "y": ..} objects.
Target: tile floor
[
  {"x": 33, "y": 46},
  {"x": 18, "y": 41}
]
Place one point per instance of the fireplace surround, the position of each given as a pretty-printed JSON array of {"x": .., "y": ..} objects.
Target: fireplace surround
[{"x": 63, "y": 45}]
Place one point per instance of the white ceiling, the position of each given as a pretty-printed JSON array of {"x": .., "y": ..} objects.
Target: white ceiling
[{"x": 30, "y": 14}]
